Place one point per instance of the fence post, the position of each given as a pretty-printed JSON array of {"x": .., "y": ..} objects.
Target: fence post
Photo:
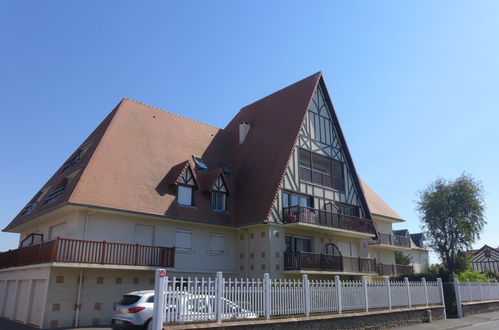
[
  {"x": 388, "y": 292},
  {"x": 103, "y": 252},
  {"x": 490, "y": 291},
  {"x": 159, "y": 299},
  {"x": 480, "y": 286},
  {"x": 406, "y": 280},
  {"x": 469, "y": 289},
  {"x": 442, "y": 298},
  {"x": 337, "y": 284},
  {"x": 266, "y": 295},
  {"x": 366, "y": 299},
  {"x": 306, "y": 295},
  {"x": 425, "y": 290},
  {"x": 219, "y": 286},
  {"x": 458, "y": 298}
]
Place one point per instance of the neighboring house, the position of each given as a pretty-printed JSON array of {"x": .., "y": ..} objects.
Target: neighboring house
[
  {"x": 484, "y": 259},
  {"x": 275, "y": 191},
  {"x": 419, "y": 253}
]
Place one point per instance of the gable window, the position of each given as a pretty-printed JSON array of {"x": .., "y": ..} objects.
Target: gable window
[
  {"x": 217, "y": 243},
  {"x": 219, "y": 195},
  {"x": 185, "y": 188},
  {"x": 321, "y": 170},
  {"x": 183, "y": 240}
]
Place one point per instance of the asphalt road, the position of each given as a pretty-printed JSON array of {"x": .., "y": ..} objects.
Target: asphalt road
[{"x": 485, "y": 321}]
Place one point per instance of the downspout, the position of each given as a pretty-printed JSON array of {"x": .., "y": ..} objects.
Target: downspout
[
  {"x": 77, "y": 309},
  {"x": 80, "y": 282}
]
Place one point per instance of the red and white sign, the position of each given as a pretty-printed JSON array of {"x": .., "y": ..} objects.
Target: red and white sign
[{"x": 162, "y": 273}]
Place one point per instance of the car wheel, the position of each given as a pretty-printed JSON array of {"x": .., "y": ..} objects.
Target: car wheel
[{"x": 146, "y": 325}]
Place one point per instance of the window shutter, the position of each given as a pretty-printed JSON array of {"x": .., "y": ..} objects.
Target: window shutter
[
  {"x": 217, "y": 244},
  {"x": 183, "y": 240}
]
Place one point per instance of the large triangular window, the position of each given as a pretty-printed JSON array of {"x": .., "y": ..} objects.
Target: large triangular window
[
  {"x": 219, "y": 195},
  {"x": 185, "y": 188}
]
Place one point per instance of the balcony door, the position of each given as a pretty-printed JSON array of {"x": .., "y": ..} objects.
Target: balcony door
[
  {"x": 293, "y": 200},
  {"x": 298, "y": 244}
]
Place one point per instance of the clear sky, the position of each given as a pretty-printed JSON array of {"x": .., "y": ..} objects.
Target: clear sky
[{"x": 415, "y": 83}]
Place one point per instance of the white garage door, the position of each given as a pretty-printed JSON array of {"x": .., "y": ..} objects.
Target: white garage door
[
  {"x": 10, "y": 298},
  {"x": 37, "y": 293},
  {"x": 22, "y": 301},
  {"x": 3, "y": 287}
]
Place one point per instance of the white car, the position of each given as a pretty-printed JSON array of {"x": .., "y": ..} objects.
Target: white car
[{"x": 186, "y": 307}]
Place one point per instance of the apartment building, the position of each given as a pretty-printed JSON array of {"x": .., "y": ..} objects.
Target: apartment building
[{"x": 276, "y": 191}]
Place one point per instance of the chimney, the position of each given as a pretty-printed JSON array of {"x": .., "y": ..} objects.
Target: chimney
[{"x": 244, "y": 128}]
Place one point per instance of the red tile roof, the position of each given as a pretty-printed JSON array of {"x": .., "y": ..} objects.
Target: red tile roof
[{"x": 138, "y": 151}]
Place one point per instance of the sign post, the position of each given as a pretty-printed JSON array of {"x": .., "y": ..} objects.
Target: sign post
[{"x": 159, "y": 299}]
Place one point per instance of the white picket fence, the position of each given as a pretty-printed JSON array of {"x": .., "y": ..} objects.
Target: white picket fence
[
  {"x": 200, "y": 299},
  {"x": 474, "y": 291}
]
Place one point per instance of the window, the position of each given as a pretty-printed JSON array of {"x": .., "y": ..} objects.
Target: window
[
  {"x": 217, "y": 243},
  {"x": 298, "y": 244},
  {"x": 218, "y": 201},
  {"x": 321, "y": 170},
  {"x": 350, "y": 210},
  {"x": 184, "y": 195},
  {"x": 54, "y": 195},
  {"x": 200, "y": 163},
  {"x": 183, "y": 240},
  {"x": 225, "y": 168},
  {"x": 292, "y": 200},
  {"x": 185, "y": 188},
  {"x": 219, "y": 195},
  {"x": 27, "y": 210}
]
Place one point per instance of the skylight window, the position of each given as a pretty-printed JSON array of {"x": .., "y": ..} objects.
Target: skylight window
[
  {"x": 200, "y": 163},
  {"x": 225, "y": 168}
]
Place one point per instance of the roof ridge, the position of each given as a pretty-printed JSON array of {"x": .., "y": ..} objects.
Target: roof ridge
[{"x": 171, "y": 113}]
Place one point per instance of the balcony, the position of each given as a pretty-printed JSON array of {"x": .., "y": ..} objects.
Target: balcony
[
  {"x": 341, "y": 222},
  {"x": 393, "y": 241},
  {"x": 328, "y": 262},
  {"x": 89, "y": 252},
  {"x": 394, "y": 270}
]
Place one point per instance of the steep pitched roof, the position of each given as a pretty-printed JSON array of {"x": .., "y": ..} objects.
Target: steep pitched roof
[
  {"x": 401, "y": 232},
  {"x": 418, "y": 239},
  {"x": 377, "y": 205},
  {"x": 260, "y": 162},
  {"x": 140, "y": 150}
]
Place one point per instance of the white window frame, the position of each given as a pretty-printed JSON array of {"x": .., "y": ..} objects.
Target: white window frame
[
  {"x": 187, "y": 235},
  {"x": 224, "y": 201}
]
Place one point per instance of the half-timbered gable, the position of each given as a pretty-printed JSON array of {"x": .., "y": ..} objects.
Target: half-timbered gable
[
  {"x": 487, "y": 258},
  {"x": 318, "y": 169}
]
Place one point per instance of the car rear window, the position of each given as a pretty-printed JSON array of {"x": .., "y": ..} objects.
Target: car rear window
[{"x": 129, "y": 300}]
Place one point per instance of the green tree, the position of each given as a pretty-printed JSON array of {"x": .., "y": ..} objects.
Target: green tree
[
  {"x": 452, "y": 218},
  {"x": 402, "y": 259}
]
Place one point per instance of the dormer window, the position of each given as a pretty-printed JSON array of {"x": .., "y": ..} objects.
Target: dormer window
[
  {"x": 200, "y": 163},
  {"x": 54, "y": 195},
  {"x": 27, "y": 210},
  {"x": 219, "y": 195},
  {"x": 185, "y": 188}
]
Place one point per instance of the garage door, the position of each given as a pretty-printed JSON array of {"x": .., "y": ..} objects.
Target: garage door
[
  {"x": 3, "y": 287},
  {"x": 10, "y": 298},
  {"x": 22, "y": 301},
  {"x": 36, "y": 309}
]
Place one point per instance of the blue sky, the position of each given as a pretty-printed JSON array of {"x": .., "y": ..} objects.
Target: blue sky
[{"x": 414, "y": 82}]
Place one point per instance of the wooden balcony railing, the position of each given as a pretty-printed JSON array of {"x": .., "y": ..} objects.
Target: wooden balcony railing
[
  {"x": 327, "y": 262},
  {"x": 328, "y": 219},
  {"x": 394, "y": 270},
  {"x": 96, "y": 252},
  {"x": 394, "y": 240}
]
